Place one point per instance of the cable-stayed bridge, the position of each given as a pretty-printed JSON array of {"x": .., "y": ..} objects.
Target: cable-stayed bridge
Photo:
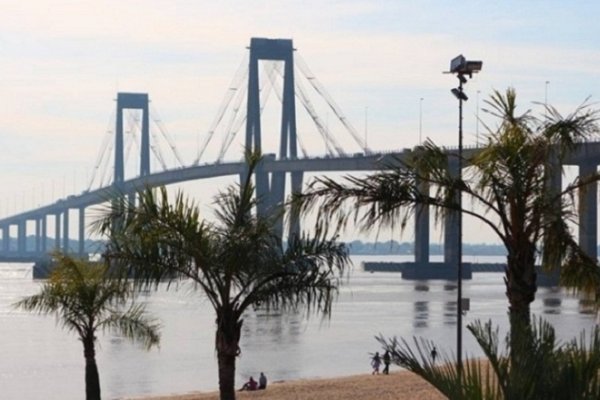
[{"x": 283, "y": 75}]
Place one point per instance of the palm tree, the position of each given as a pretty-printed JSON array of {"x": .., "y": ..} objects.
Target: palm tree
[
  {"x": 547, "y": 369},
  {"x": 508, "y": 182},
  {"x": 238, "y": 262},
  {"x": 85, "y": 299}
]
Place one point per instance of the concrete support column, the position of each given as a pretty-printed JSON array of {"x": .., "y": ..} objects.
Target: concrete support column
[
  {"x": 451, "y": 239},
  {"x": 82, "y": 232},
  {"x": 57, "y": 231},
  {"x": 422, "y": 228},
  {"x": 38, "y": 241},
  {"x": 297, "y": 179},
  {"x": 65, "y": 237},
  {"x": 22, "y": 238},
  {"x": 44, "y": 244},
  {"x": 276, "y": 199},
  {"x": 588, "y": 213},
  {"x": 5, "y": 238}
]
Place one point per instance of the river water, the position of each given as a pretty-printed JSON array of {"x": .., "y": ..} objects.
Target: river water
[{"x": 40, "y": 360}]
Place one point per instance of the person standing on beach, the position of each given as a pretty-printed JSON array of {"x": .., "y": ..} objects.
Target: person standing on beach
[
  {"x": 386, "y": 362},
  {"x": 433, "y": 354},
  {"x": 375, "y": 363}
]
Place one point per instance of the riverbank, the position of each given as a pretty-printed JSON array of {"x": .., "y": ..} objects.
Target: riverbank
[{"x": 396, "y": 386}]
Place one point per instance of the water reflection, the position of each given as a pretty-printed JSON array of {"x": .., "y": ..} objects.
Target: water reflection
[
  {"x": 284, "y": 345},
  {"x": 450, "y": 308},
  {"x": 421, "y": 314},
  {"x": 587, "y": 306},
  {"x": 421, "y": 287}
]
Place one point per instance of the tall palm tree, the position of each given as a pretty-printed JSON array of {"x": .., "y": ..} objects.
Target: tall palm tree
[
  {"x": 552, "y": 370},
  {"x": 237, "y": 262},
  {"x": 509, "y": 183},
  {"x": 86, "y": 300}
]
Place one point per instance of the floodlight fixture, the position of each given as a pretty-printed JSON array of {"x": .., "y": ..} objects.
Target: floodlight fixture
[
  {"x": 459, "y": 94},
  {"x": 461, "y": 66}
]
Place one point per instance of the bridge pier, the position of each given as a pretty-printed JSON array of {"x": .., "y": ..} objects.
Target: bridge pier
[
  {"x": 5, "y": 238},
  {"x": 44, "y": 232},
  {"x": 38, "y": 228},
  {"x": 57, "y": 231},
  {"x": 81, "y": 249},
  {"x": 422, "y": 229},
  {"x": 588, "y": 213},
  {"x": 22, "y": 237},
  {"x": 65, "y": 231}
]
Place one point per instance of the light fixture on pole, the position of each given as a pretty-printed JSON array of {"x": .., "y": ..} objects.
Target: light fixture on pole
[{"x": 463, "y": 69}]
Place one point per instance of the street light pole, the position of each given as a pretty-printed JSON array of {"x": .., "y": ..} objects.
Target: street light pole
[
  {"x": 420, "y": 120},
  {"x": 459, "y": 313},
  {"x": 463, "y": 69}
]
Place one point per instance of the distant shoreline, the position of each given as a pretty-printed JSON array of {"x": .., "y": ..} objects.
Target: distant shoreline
[{"x": 394, "y": 248}]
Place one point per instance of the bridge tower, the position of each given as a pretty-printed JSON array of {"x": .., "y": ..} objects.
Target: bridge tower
[
  {"x": 132, "y": 101},
  {"x": 271, "y": 192}
]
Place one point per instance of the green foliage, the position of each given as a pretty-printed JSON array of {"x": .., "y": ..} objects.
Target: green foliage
[
  {"x": 238, "y": 261},
  {"x": 85, "y": 299},
  {"x": 510, "y": 185},
  {"x": 546, "y": 369}
]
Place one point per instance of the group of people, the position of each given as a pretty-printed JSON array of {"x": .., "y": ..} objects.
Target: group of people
[
  {"x": 376, "y": 361},
  {"x": 253, "y": 385}
]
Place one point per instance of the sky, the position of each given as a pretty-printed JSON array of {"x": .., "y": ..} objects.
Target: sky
[{"x": 62, "y": 63}]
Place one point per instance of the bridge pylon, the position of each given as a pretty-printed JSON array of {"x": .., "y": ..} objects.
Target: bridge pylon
[
  {"x": 135, "y": 101},
  {"x": 271, "y": 192}
]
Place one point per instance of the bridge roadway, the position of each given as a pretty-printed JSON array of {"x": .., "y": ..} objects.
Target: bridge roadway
[{"x": 586, "y": 156}]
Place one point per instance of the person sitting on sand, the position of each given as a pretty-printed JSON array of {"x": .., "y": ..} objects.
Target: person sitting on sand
[
  {"x": 262, "y": 381},
  {"x": 250, "y": 385},
  {"x": 375, "y": 363}
]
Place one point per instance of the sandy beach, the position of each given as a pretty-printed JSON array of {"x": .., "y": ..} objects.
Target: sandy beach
[{"x": 396, "y": 386}]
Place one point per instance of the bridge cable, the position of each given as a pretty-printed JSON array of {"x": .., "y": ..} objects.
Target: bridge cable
[
  {"x": 264, "y": 93},
  {"x": 239, "y": 76},
  {"x": 106, "y": 143},
  {"x": 236, "y": 121},
  {"x": 328, "y": 138},
  {"x": 135, "y": 129},
  {"x": 329, "y": 100},
  {"x": 163, "y": 130}
]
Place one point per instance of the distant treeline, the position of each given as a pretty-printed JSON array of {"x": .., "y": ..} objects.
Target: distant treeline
[
  {"x": 357, "y": 247},
  {"x": 90, "y": 246},
  {"x": 393, "y": 247}
]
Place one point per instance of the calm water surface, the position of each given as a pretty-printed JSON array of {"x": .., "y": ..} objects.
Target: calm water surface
[{"x": 39, "y": 360}]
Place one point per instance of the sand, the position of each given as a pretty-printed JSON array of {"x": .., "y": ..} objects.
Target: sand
[{"x": 396, "y": 386}]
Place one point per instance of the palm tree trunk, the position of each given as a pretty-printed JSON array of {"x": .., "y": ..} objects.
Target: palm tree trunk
[
  {"x": 227, "y": 345},
  {"x": 92, "y": 379},
  {"x": 226, "y": 375},
  {"x": 521, "y": 286}
]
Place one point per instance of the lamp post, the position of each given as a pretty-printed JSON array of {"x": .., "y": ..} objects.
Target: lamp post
[
  {"x": 420, "y": 120},
  {"x": 463, "y": 69}
]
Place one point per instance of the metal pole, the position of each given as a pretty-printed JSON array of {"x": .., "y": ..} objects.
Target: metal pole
[
  {"x": 366, "y": 127},
  {"x": 459, "y": 266},
  {"x": 420, "y": 119},
  {"x": 477, "y": 117}
]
